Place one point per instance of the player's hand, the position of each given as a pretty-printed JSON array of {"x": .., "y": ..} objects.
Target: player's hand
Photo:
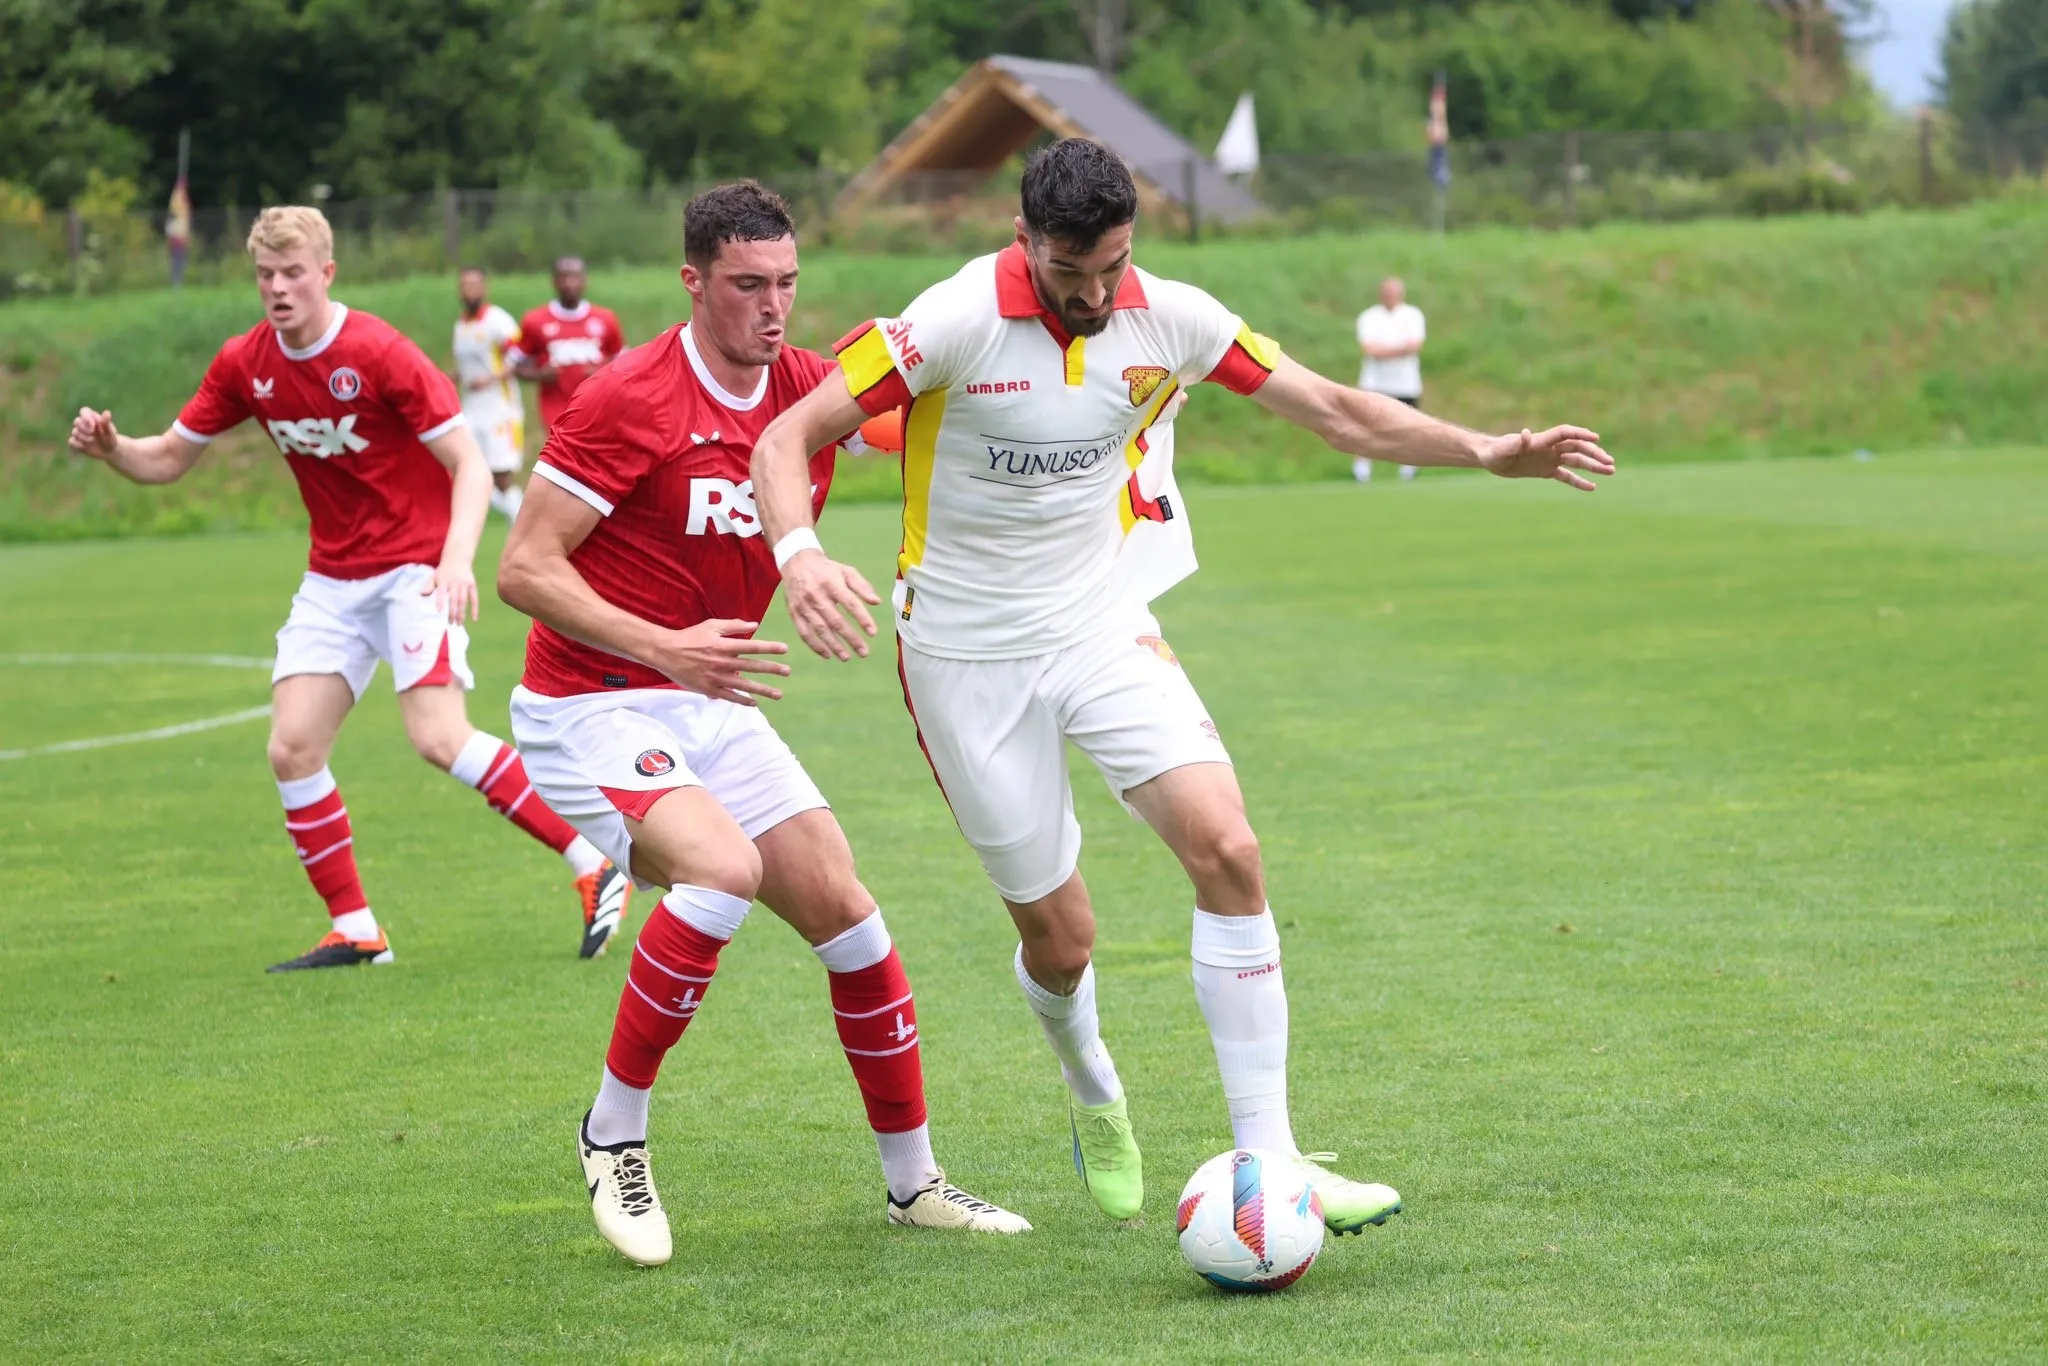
[
  {"x": 715, "y": 657},
  {"x": 821, "y": 595},
  {"x": 454, "y": 589},
  {"x": 93, "y": 434},
  {"x": 1559, "y": 454}
]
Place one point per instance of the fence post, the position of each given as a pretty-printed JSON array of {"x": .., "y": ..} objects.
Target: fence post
[
  {"x": 451, "y": 226},
  {"x": 1926, "y": 156},
  {"x": 1187, "y": 177},
  {"x": 1571, "y": 176}
]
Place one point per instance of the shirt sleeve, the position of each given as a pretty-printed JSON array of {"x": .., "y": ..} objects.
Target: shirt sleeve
[
  {"x": 1421, "y": 327},
  {"x": 596, "y": 453},
  {"x": 1364, "y": 328},
  {"x": 890, "y": 361},
  {"x": 1215, "y": 346},
  {"x": 527, "y": 344},
  {"x": 505, "y": 330},
  {"x": 218, "y": 405},
  {"x": 420, "y": 393},
  {"x": 614, "y": 336}
]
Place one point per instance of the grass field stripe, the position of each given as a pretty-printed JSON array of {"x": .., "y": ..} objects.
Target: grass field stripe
[
  {"x": 233, "y": 718},
  {"x": 203, "y": 661}
]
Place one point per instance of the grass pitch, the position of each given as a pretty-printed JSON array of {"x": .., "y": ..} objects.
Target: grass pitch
[{"x": 1661, "y": 874}]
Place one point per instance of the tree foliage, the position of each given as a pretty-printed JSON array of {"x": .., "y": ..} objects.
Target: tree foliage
[
  {"x": 1994, "y": 70},
  {"x": 388, "y": 96}
]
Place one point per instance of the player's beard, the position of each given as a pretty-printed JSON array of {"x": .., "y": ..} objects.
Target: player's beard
[{"x": 1079, "y": 326}]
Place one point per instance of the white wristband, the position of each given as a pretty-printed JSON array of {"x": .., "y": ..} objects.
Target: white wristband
[{"x": 794, "y": 544}]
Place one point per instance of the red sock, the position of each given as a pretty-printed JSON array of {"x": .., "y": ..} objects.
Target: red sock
[
  {"x": 878, "y": 1028},
  {"x": 673, "y": 963},
  {"x": 505, "y": 787},
  {"x": 326, "y": 846}
]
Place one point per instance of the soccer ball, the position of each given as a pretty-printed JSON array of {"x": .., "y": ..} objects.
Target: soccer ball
[{"x": 1250, "y": 1221}]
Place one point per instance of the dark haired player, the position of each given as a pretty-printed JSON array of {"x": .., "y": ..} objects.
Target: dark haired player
[
  {"x": 640, "y": 558},
  {"x": 395, "y": 487},
  {"x": 565, "y": 341},
  {"x": 1036, "y": 531}
]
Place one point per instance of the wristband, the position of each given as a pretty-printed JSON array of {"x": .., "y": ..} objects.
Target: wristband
[{"x": 794, "y": 544}]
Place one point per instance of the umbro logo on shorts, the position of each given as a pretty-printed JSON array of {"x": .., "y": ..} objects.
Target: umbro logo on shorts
[
  {"x": 1159, "y": 647},
  {"x": 654, "y": 763}
]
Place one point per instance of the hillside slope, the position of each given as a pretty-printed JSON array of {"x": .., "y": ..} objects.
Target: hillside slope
[{"x": 1699, "y": 341}]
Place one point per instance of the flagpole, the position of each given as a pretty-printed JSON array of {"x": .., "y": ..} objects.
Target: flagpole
[
  {"x": 1439, "y": 131},
  {"x": 178, "y": 226}
]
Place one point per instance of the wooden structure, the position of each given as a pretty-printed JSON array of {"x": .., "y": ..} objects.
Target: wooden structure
[{"x": 1001, "y": 104}]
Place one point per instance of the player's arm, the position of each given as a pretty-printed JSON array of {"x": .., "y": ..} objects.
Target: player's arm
[
  {"x": 1360, "y": 423},
  {"x": 537, "y": 577},
  {"x": 821, "y": 593},
  {"x": 160, "y": 459},
  {"x": 469, "y": 501}
]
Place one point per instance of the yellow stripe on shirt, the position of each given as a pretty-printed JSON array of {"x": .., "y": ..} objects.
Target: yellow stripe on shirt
[
  {"x": 1077, "y": 362},
  {"x": 1134, "y": 454},
  {"x": 920, "y": 453}
]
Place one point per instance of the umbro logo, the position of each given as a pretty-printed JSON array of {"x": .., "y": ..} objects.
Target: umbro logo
[
  {"x": 262, "y": 388},
  {"x": 1001, "y": 386}
]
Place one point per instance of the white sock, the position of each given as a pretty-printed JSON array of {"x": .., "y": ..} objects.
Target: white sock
[
  {"x": 619, "y": 1114},
  {"x": 863, "y": 946},
  {"x": 1074, "y": 1032},
  {"x": 357, "y": 925},
  {"x": 583, "y": 857},
  {"x": 1239, "y": 987},
  {"x": 1361, "y": 470},
  {"x": 1407, "y": 471},
  {"x": 298, "y": 792},
  {"x": 717, "y": 914},
  {"x": 907, "y": 1162}
]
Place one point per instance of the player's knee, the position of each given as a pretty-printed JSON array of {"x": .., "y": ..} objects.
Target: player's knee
[
  {"x": 294, "y": 756},
  {"x": 736, "y": 871},
  {"x": 1229, "y": 861},
  {"x": 437, "y": 744}
]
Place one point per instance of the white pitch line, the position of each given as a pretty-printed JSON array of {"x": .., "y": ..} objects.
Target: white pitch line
[
  {"x": 136, "y": 737},
  {"x": 206, "y": 661},
  {"x": 233, "y": 718}
]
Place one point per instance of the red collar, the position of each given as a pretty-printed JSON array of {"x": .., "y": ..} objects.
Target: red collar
[{"x": 1017, "y": 296}]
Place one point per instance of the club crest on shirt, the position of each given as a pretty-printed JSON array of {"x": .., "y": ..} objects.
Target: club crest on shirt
[
  {"x": 654, "y": 763},
  {"x": 345, "y": 384},
  {"x": 1144, "y": 381},
  {"x": 1161, "y": 648}
]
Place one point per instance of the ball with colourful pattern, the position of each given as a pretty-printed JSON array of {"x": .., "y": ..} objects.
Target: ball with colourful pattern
[{"x": 1250, "y": 1221}]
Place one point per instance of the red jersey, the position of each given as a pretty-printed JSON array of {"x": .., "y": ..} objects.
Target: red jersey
[
  {"x": 655, "y": 445},
  {"x": 350, "y": 414},
  {"x": 576, "y": 341}
]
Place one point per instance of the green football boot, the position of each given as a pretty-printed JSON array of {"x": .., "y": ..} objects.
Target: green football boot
[
  {"x": 1106, "y": 1156},
  {"x": 1348, "y": 1206}
]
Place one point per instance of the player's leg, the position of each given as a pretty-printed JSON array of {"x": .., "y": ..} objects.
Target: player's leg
[
  {"x": 1135, "y": 714},
  {"x": 996, "y": 752},
  {"x": 324, "y": 662},
  {"x": 429, "y": 660},
  {"x": 504, "y": 452},
  {"x": 807, "y": 878}
]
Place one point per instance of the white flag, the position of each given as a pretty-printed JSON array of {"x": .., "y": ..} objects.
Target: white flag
[{"x": 1237, "y": 151}]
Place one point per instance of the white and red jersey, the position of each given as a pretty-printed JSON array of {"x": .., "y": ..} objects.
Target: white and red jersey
[
  {"x": 654, "y": 444},
  {"x": 575, "y": 341},
  {"x": 351, "y": 414}
]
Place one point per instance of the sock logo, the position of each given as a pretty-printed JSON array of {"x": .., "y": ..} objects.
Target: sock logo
[
  {"x": 654, "y": 763},
  {"x": 903, "y": 1033}
]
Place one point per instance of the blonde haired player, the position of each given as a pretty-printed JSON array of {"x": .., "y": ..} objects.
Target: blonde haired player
[
  {"x": 1035, "y": 383},
  {"x": 395, "y": 488},
  {"x": 484, "y": 336}
]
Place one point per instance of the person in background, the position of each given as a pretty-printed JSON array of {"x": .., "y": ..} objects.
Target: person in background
[
  {"x": 565, "y": 341},
  {"x": 490, "y": 394},
  {"x": 1390, "y": 337}
]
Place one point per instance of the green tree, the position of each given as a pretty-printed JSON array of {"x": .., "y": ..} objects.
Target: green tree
[
  {"x": 1994, "y": 79},
  {"x": 63, "y": 67}
]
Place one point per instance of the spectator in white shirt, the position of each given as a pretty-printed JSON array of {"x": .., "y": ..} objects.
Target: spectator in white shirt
[{"x": 1390, "y": 337}]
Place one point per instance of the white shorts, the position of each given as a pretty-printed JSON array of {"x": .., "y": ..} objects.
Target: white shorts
[
  {"x": 503, "y": 438},
  {"x": 993, "y": 730},
  {"x": 344, "y": 626},
  {"x": 598, "y": 758}
]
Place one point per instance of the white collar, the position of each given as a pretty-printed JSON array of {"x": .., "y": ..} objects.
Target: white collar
[
  {"x": 738, "y": 405},
  {"x": 569, "y": 315},
  {"x": 326, "y": 338}
]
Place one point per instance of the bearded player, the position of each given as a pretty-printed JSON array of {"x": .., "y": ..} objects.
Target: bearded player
[
  {"x": 484, "y": 335},
  {"x": 1035, "y": 533},
  {"x": 395, "y": 488},
  {"x": 640, "y": 558}
]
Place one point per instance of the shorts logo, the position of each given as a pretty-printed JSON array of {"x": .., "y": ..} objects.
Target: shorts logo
[
  {"x": 345, "y": 384},
  {"x": 616, "y": 680},
  {"x": 1160, "y": 648},
  {"x": 654, "y": 763},
  {"x": 1144, "y": 381}
]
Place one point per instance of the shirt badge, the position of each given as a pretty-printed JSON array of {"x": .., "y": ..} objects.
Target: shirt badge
[
  {"x": 1145, "y": 381},
  {"x": 345, "y": 384}
]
